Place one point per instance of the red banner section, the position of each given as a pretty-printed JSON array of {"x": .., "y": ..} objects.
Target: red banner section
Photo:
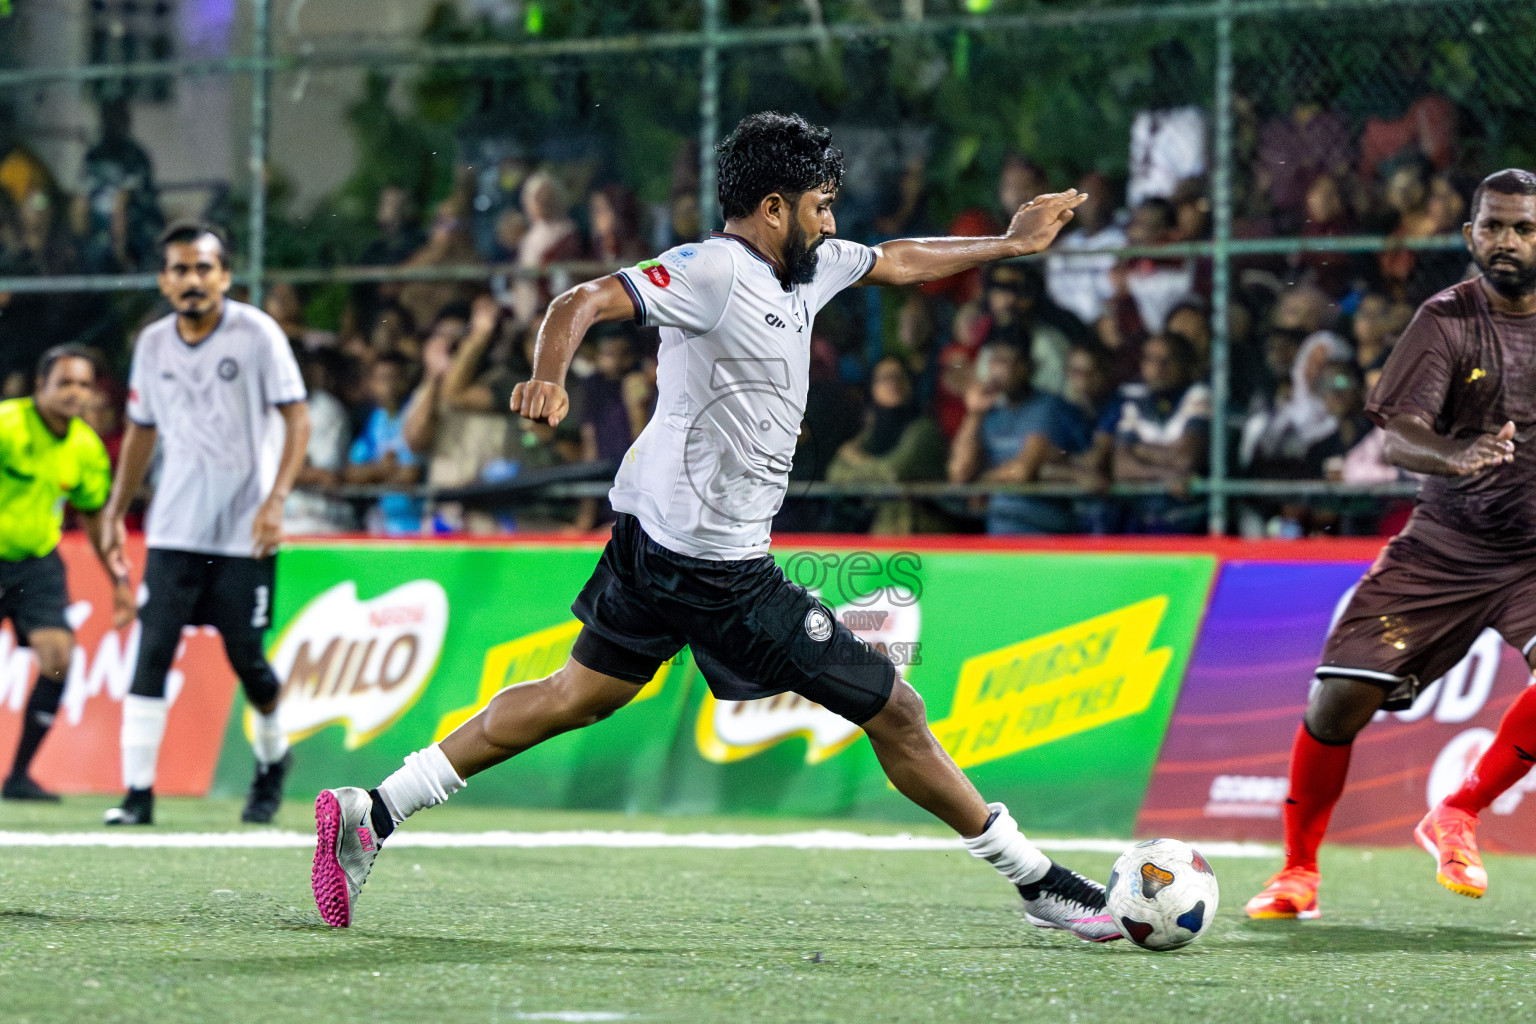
[
  {"x": 80, "y": 754},
  {"x": 1223, "y": 769}
]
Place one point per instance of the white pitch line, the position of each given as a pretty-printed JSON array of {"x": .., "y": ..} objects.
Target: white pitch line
[{"x": 821, "y": 839}]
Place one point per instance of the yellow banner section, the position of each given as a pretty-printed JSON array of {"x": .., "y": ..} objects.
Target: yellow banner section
[
  {"x": 1056, "y": 685},
  {"x": 731, "y": 730},
  {"x": 530, "y": 657}
]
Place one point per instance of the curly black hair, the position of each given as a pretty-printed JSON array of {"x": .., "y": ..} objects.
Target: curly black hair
[{"x": 770, "y": 152}]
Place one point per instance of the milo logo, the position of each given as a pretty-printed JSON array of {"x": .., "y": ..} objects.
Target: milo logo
[{"x": 361, "y": 664}]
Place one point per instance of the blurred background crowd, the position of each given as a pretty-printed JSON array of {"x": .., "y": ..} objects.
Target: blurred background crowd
[{"x": 1087, "y": 369}]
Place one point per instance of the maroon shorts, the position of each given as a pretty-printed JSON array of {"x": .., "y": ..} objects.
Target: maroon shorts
[{"x": 1417, "y": 611}]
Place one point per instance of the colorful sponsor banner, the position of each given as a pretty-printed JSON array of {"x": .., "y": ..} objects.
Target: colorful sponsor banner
[
  {"x": 1050, "y": 677},
  {"x": 383, "y": 649},
  {"x": 1224, "y": 764},
  {"x": 81, "y": 753}
]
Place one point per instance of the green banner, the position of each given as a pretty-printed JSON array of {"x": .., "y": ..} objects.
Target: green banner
[
  {"x": 383, "y": 648},
  {"x": 1049, "y": 677}
]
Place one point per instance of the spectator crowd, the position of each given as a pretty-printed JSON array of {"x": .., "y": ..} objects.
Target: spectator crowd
[{"x": 1087, "y": 369}]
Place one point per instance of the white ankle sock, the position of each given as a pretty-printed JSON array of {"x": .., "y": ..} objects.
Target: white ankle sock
[
  {"x": 426, "y": 781},
  {"x": 268, "y": 739},
  {"x": 1004, "y": 847},
  {"x": 143, "y": 729}
]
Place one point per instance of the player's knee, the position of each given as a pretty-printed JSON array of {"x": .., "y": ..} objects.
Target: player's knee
[
  {"x": 581, "y": 704},
  {"x": 904, "y": 710},
  {"x": 1340, "y": 708},
  {"x": 253, "y": 670},
  {"x": 562, "y": 702},
  {"x": 53, "y": 653}
]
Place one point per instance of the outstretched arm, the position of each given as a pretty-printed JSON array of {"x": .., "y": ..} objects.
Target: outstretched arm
[
  {"x": 915, "y": 260},
  {"x": 569, "y": 318}
]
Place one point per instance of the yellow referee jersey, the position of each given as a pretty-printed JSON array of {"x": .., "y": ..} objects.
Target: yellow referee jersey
[{"x": 39, "y": 472}]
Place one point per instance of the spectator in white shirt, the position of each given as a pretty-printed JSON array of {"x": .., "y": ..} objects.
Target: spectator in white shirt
[
  {"x": 308, "y": 509},
  {"x": 1169, "y": 136},
  {"x": 1081, "y": 284}
]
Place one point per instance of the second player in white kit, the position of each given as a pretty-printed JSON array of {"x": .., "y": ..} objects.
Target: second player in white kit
[{"x": 216, "y": 385}]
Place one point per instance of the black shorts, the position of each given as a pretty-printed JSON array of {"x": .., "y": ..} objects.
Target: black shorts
[
  {"x": 33, "y": 595},
  {"x": 188, "y": 588},
  {"x": 753, "y": 632}
]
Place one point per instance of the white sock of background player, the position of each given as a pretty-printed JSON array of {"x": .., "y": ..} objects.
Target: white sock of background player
[
  {"x": 143, "y": 729},
  {"x": 268, "y": 739}
]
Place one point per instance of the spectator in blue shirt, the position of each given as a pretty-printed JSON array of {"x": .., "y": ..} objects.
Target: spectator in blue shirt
[
  {"x": 1009, "y": 431},
  {"x": 380, "y": 455},
  {"x": 1094, "y": 400}
]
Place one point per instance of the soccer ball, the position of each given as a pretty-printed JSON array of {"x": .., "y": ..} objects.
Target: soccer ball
[{"x": 1162, "y": 894}]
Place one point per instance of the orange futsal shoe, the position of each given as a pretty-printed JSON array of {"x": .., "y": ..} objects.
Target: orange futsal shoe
[
  {"x": 1450, "y": 836},
  {"x": 1290, "y": 894}
]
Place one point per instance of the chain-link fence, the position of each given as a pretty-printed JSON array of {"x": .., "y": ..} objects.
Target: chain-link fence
[{"x": 1284, "y": 182}]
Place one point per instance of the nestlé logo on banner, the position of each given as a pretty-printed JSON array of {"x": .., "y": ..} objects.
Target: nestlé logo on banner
[{"x": 359, "y": 663}]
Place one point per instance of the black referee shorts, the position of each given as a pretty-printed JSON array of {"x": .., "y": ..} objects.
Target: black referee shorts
[
  {"x": 33, "y": 595},
  {"x": 754, "y": 633}
]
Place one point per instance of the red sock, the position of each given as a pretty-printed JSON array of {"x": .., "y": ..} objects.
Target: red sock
[
  {"x": 1318, "y": 771},
  {"x": 1506, "y": 760}
]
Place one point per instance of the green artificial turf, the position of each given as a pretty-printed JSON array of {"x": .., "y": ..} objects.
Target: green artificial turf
[{"x": 489, "y": 935}]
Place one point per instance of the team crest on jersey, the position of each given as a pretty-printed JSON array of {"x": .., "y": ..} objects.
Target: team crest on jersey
[
  {"x": 656, "y": 272},
  {"x": 818, "y": 624},
  {"x": 680, "y": 258},
  {"x": 228, "y": 369}
]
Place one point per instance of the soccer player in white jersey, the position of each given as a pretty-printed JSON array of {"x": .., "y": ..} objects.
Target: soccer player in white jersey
[
  {"x": 688, "y": 559},
  {"x": 216, "y": 384}
]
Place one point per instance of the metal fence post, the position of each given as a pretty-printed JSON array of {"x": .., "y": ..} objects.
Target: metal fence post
[
  {"x": 1221, "y": 206},
  {"x": 261, "y": 116},
  {"x": 709, "y": 116}
]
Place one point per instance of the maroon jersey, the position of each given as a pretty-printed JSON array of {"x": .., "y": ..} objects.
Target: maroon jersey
[{"x": 1468, "y": 370}]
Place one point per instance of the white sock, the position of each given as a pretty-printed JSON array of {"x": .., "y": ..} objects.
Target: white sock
[
  {"x": 426, "y": 781},
  {"x": 1004, "y": 847},
  {"x": 268, "y": 739},
  {"x": 143, "y": 729}
]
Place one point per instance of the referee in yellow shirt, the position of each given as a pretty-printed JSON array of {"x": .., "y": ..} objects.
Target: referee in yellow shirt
[{"x": 48, "y": 456}]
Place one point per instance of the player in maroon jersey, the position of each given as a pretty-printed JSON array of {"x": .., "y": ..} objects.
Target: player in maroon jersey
[{"x": 1457, "y": 399}]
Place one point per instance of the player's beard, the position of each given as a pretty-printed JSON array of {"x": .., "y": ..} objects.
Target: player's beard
[
  {"x": 1513, "y": 280},
  {"x": 799, "y": 258},
  {"x": 195, "y": 304}
]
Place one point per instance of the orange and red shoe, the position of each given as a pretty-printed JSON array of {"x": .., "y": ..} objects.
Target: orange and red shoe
[
  {"x": 1449, "y": 834},
  {"x": 1290, "y": 894}
]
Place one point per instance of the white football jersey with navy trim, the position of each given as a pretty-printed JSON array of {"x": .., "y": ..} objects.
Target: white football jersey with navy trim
[
  {"x": 214, "y": 405},
  {"x": 711, "y": 469}
]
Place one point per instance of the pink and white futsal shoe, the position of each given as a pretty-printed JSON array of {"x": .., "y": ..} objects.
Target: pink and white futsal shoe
[
  {"x": 345, "y": 846},
  {"x": 1066, "y": 900}
]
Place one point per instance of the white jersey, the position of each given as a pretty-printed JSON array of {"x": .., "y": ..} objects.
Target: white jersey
[
  {"x": 214, "y": 405},
  {"x": 709, "y": 471}
]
